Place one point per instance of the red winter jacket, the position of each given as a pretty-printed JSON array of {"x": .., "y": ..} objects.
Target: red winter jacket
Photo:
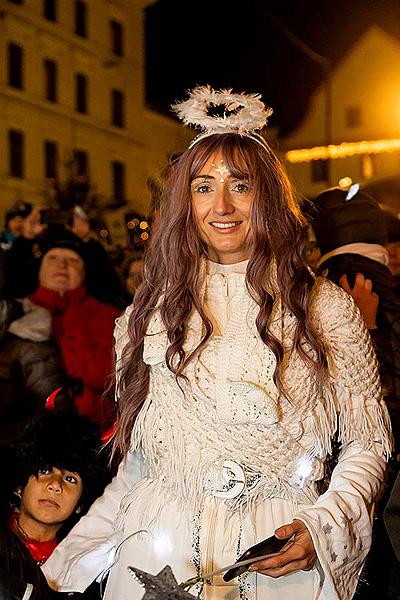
[{"x": 83, "y": 329}]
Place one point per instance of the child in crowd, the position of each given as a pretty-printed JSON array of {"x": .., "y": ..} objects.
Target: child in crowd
[{"x": 54, "y": 473}]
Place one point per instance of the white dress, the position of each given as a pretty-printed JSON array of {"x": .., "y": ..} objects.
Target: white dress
[{"x": 219, "y": 463}]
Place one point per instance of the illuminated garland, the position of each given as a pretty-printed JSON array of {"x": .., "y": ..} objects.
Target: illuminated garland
[{"x": 342, "y": 150}]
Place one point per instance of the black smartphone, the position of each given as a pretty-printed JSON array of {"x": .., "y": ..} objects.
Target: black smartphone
[{"x": 271, "y": 545}]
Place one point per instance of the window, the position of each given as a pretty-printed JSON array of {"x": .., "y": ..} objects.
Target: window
[
  {"x": 80, "y": 18},
  {"x": 117, "y": 38},
  {"x": 50, "y": 80},
  {"x": 353, "y": 116},
  {"x": 50, "y": 160},
  {"x": 117, "y": 108},
  {"x": 15, "y": 66},
  {"x": 81, "y": 162},
  {"x": 319, "y": 170},
  {"x": 118, "y": 178},
  {"x": 16, "y": 153},
  {"x": 50, "y": 10},
  {"x": 81, "y": 93}
]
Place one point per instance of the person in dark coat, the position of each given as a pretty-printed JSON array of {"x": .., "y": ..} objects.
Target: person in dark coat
[
  {"x": 20, "y": 266},
  {"x": 55, "y": 470},
  {"x": 31, "y": 366},
  {"x": 350, "y": 230}
]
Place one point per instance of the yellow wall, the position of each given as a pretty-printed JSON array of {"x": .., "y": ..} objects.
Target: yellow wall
[{"x": 143, "y": 144}]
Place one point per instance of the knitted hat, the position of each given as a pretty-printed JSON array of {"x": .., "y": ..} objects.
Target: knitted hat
[
  {"x": 58, "y": 236},
  {"x": 340, "y": 217}
]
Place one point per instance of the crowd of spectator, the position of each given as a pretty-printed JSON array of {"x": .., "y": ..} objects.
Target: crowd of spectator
[{"x": 61, "y": 291}]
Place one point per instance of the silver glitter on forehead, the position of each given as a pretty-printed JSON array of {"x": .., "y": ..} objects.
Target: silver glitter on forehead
[{"x": 221, "y": 169}]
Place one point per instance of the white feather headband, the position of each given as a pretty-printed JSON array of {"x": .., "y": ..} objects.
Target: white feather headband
[{"x": 239, "y": 113}]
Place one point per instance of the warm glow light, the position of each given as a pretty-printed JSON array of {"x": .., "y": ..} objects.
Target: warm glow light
[
  {"x": 342, "y": 150},
  {"x": 130, "y": 225},
  {"x": 104, "y": 233},
  {"x": 345, "y": 182},
  {"x": 144, "y": 236},
  {"x": 143, "y": 225}
]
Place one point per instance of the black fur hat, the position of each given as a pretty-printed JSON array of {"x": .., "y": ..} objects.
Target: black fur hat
[
  {"x": 339, "y": 218},
  {"x": 64, "y": 440}
]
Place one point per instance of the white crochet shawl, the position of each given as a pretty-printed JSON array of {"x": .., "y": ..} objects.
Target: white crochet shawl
[{"x": 231, "y": 409}]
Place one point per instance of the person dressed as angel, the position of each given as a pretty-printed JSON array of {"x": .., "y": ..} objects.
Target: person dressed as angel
[{"x": 239, "y": 374}]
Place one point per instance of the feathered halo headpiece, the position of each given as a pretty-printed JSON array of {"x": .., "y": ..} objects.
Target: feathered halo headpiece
[{"x": 221, "y": 111}]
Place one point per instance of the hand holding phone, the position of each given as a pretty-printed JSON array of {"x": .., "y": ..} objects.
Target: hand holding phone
[{"x": 270, "y": 546}]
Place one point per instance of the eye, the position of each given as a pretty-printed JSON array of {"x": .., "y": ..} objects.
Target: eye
[
  {"x": 241, "y": 187},
  {"x": 202, "y": 188},
  {"x": 71, "y": 478},
  {"x": 45, "y": 471}
]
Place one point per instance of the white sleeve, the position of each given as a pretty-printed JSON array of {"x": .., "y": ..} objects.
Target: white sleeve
[
  {"x": 339, "y": 522},
  {"x": 84, "y": 554}
]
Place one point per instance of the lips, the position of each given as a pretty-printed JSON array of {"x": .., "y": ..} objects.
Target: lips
[
  {"x": 223, "y": 225},
  {"x": 49, "y": 503}
]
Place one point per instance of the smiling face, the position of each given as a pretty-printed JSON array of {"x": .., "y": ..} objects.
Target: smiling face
[
  {"x": 62, "y": 269},
  {"x": 222, "y": 206},
  {"x": 48, "y": 500}
]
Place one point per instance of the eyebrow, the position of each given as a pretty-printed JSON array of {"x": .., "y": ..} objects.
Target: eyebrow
[{"x": 203, "y": 177}]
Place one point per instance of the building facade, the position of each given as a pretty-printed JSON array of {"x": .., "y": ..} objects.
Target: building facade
[
  {"x": 352, "y": 128},
  {"x": 72, "y": 102}
]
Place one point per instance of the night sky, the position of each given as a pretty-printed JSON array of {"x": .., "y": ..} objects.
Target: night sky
[{"x": 245, "y": 44}]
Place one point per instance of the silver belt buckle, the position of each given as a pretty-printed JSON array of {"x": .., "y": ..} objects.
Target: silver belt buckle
[{"x": 233, "y": 481}]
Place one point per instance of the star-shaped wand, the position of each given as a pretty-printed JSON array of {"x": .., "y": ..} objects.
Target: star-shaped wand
[{"x": 162, "y": 586}]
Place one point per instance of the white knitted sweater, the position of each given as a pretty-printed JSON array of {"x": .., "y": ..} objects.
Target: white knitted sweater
[{"x": 231, "y": 408}]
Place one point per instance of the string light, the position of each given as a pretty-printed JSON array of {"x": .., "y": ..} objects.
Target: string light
[
  {"x": 342, "y": 150},
  {"x": 345, "y": 182}
]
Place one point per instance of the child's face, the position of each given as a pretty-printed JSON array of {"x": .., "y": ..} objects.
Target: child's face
[{"x": 49, "y": 498}]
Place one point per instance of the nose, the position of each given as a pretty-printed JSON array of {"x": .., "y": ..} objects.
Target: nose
[
  {"x": 55, "y": 483},
  {"x": 223, "y": 202},
  {"x": 61, "y": 262}
]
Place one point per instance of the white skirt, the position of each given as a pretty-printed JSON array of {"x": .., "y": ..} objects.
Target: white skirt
[{"x": 214, "y": 538}]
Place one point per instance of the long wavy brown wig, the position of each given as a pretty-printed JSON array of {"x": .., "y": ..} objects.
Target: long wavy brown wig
[{"x": 172, "y": 268}]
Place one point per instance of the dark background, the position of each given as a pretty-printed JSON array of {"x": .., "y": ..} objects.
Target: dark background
[{"x": 246, "y": 45}]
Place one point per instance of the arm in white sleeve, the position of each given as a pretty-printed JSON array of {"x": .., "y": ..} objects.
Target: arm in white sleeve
[{"x": 339, "y": 522}]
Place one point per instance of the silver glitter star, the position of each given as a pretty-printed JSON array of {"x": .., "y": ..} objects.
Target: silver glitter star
[
  {"x": 327, "y": 528},
  {"x": 162, "y": 586}
]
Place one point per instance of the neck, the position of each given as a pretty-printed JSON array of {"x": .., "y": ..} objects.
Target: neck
[{"x": 41, "y": 532}]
